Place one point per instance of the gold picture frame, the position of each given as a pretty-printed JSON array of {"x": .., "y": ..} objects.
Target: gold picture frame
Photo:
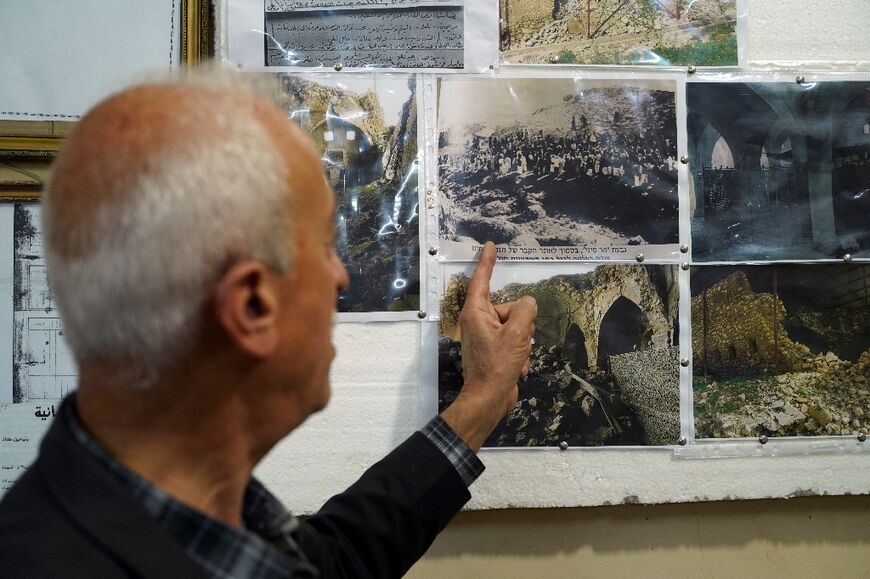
[{"x": 27, "y": 148}]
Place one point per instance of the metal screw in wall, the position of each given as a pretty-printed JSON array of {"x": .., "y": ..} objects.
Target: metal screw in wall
[
  {"x": 800, "y": 80},
  {"x": 433, "y": 251},
  {"x": 563, "y": 445},
  {"x": 862, "y": 437},
  {"x": 847, "y": 258},
  {"x": 683, "y": 441},
  {"x": 337, "y": 66},
  {"x": 684, "y": 159},
  {"x": 640, "y": 257},
  {"x": 691, "y": 69},
  {"x": 685, "y": 266},
  {"x": 762, "y": 439},
  {"x": 684, "y": 362},
  {"x": 684, "y": 248},
  {"x": 421, "y": 314}
]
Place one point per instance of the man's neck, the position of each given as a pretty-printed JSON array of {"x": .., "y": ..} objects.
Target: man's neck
[{"x": 198, "y": 448}]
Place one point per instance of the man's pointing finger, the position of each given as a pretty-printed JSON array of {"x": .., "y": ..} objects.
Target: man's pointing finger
[{"x": 478, "y": 287}]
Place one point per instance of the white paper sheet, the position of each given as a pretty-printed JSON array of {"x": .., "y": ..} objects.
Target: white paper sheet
[{"x": 58, "y": 58}]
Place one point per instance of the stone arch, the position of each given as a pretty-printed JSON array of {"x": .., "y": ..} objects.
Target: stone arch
[
  {"x": 575, "y": 348},
  {"x": 624, "y": 328}
]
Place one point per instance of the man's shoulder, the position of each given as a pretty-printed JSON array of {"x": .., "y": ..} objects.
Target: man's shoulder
[{"x": 39, "y": 538}]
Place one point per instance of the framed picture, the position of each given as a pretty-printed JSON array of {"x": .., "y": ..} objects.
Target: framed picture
[{"x": 27, "y": 148}]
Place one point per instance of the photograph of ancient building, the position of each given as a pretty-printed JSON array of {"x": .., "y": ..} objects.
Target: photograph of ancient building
[
  {"x": 366, "y": 130},
  {"x": 550, "y": 162},
  {"x": 604, "y": 365},
  {"x": 779, "y": 170},
  {"x": 649, "y": 32},
  {"x": 781, "y": 350}
]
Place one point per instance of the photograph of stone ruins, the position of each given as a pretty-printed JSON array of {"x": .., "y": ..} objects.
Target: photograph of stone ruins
[
  {"x": 604, "y": 367},
  {"x": 366, "y": 130},
  {"x": 780, "y": 170},
  {"x": 652, "y": 32},
  {"x": 781, "y": 350}
]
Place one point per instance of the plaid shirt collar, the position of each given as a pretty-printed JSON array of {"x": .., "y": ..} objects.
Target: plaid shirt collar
[{"x": 264, "y": 549}]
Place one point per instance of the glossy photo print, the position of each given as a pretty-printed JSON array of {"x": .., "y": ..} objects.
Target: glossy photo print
[
  {"x": 647, "y": 32},
  {"x": 366, "y": 130},
  {"x": 605, "y": 360},
  {"x": 557, "y": 168},
  {"x": 779, "y": 170},
  {"x": 781, "y": 350}
]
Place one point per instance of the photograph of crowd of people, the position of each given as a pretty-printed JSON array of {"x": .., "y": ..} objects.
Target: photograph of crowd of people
[
  {"x": 366, "y": 130},
  {"x": 779, "y": 170},
  {"x": 557, "y": 162}
]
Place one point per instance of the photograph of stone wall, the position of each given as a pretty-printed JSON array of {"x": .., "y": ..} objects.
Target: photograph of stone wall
[
  {"x": 779, "y": 170},
  {"x": 781, "y": 350},
  {"x": 604, "y": 366},
  {"x": 650, "y": 32},
  {"x": 366, "y": 130},
  {"x": 557, "y": 162}
]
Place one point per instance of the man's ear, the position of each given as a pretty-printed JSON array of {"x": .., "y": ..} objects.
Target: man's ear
[{"x": 246, "y": 306}]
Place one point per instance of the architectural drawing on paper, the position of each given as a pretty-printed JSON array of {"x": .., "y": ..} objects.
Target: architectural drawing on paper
[{"x": 42, "y": 364}]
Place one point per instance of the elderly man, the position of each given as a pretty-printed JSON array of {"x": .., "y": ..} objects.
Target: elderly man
[{"x": 188, "y": 233}]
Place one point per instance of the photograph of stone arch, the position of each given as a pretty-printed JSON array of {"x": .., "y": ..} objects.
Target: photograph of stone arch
[
  {"x": 779, "y": 170},
  {"x": 781, "y": 350},
  {"x": 605, "y": 362},
  {"x": 366, "y": 129},
  {"x": 556, "y": 162},
  {"x": 648, "y": 32}
]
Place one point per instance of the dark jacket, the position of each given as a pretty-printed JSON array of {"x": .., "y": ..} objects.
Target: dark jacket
[{"x": 67, "y": 517}]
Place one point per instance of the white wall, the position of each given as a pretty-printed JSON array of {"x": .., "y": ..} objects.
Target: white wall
[{"x": 376, "y": 384}]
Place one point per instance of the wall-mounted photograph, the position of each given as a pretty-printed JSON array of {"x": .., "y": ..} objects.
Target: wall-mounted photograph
[
  {"x": 781, "y": 350},
  {"x": 648, "y": 32},
  {"x": 366, "y": 130},
  {"x": 605, "y": 360},
  {"x": 779, "y": 170},
  {"x": 557, "y": 168}
]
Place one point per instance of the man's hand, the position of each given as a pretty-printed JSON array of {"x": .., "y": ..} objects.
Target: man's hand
[{"x": 496, "y": 343}]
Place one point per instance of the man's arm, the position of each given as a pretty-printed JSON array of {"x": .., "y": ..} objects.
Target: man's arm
[
  {"x": 496, "y": 343},
  {"x": 386, "y": 520}
]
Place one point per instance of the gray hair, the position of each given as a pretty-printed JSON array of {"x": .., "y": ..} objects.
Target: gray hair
[{"x": 192, "y": 209}]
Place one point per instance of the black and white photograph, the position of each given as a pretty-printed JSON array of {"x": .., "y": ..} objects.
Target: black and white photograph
[
  {"x": 395, "y": 34},
  {"x": 639, "y": 32},
  {"x": 366, "y": 129},
  {"x": 556, "y": 168},
  {"x": 781, "y": 350},
  {"x": 605, "y": 359},
  {"x": 779, "y": 170}
]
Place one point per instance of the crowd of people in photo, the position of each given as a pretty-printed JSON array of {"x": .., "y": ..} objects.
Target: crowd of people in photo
[
  {"x": 625, "y": 180},
  {"x": 581, "y": 152}
]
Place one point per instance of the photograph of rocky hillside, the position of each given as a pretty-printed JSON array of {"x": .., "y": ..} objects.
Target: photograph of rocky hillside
[
  {"x": 781, "y": 350},
  {"x": 550, "y": 162},
  {"x": 366, "y": 129},
  {"x": 651, "y": 32},
  {"x": 604, "y": 366},
  {"x": 779, "y": 170}
]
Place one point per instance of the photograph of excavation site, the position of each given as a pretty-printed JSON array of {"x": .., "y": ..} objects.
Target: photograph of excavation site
[
  {"x": 556, "y": 162},
  {"x": 604, "y": 365},
  {"x": 649, "y": 32},
  {"x": 781, "y": 350},
  {"x": 366, "y": 130}
]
